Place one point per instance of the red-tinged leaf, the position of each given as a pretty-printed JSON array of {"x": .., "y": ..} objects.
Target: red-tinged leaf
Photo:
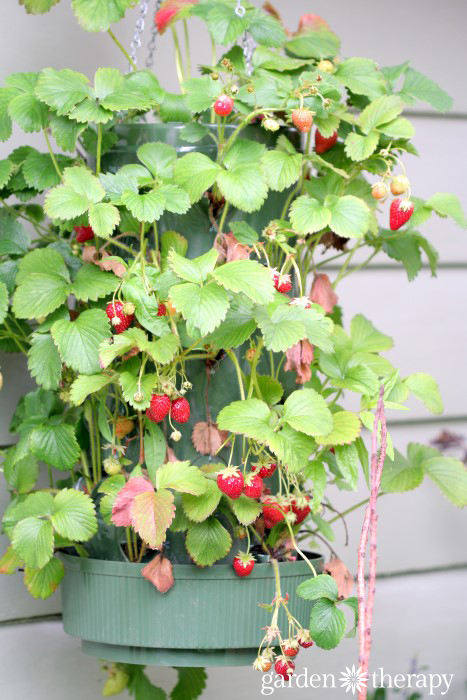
[
  {"x": 168, "y": 13},
  {"x": 299, "y": 359},
  {"x": 322, "y": 293},
  {"x": 121, "y": 511},
  {"x": 10, "y": 562},
  {"x": 151, "y": 514},
  {"x": 159, "y": 573},
  {"x": 342, "y": 576},
  {"x": 207, "y": 438}
]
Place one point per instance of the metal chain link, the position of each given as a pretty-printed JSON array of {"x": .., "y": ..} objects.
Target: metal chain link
[
  {"x": 247, "y": 42},
  {"x": 152, "y": 42},
  {"x": 139, "y": 29}
]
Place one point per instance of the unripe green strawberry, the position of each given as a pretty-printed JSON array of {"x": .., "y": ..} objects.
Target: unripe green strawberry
[
  {"x": 116, "y": 683},
  {"x": 112, "y": 466}
]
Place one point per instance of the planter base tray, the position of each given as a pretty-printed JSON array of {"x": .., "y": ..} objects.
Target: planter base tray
[{"x": 169, "y": 657}]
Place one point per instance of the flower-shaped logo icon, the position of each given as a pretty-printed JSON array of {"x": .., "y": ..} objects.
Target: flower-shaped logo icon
[{"x": 353, "y": 679}]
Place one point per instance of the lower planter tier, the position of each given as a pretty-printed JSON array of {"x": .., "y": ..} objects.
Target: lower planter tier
[{"x": 210, "y": 617}]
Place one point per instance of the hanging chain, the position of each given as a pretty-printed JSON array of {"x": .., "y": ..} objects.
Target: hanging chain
[
  {"x": 248, "y": 47},
  {"x": 152, "y": 43},
  {"x": 139, "y": 29}
]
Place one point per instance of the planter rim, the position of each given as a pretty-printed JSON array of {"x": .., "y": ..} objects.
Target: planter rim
[{"x": 187, "y": 571}]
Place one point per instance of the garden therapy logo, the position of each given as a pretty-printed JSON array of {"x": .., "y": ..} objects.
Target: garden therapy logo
[{"x": 353, "y": 679}]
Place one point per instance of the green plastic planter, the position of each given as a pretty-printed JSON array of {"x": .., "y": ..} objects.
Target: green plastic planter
[{"x": 209, "y": 618}]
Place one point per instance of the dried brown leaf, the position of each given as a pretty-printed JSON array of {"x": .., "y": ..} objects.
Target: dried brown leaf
[
  {"x": 106, "y": 261},
  {"x": 207, "y": 438},
  {"x": 322, "y": 293},
  {"x": 299, "y": 359},
  {"x": 230, "y": 249},
  {"x": 159, "y": 573}
]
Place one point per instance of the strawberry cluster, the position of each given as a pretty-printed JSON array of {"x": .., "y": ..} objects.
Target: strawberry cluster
[
  {"x": 400, "y": 210},
  {"x": 161, "y": 406}
]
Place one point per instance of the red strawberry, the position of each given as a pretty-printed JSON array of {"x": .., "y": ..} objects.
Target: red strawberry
[
  {"x": 302, "y": 118},
  {"x": 223, "y": 105},
  {"x": 283, "y": 667},
  {"x": 399, "y": 213},
  {"x": 159, "y": 407},
  {"x": 230, "y": 481},
  {"x": 323, "y": 144},
  {"x": 162, "y": 310},
  {"x": 301, "y": 508},
  {"x": 119, "y": 319},
  {"x": 180, "y": 410},
  {"x": 304, "y": 639},
  {"x": 243, "y": 564},
  {"x": 84, "y": 233},
  {"x": 291, "y": 648},
  {"x": 282, "y": 281},
  {"x": 274, "y": 511},
  {"x": 266, "y": 470},
  {"x": 253, "y": 486}
]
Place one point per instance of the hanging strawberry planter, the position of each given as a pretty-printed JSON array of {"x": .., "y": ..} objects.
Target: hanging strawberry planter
[
  {"x": 210, "y": 617},
  {"x": 174, "y": 301}
]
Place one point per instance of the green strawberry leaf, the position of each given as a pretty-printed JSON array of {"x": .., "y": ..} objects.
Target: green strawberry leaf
[
  {"x": 306, "y": 411},
  {"x": 56, "y": 445},
  {"x": 203, "y": 307},
  {"x": 182, "y": 477},
  {"x": 74, "y": 516},
  {"x": 208, "y": 541},
  {"x": 198, "y": 508},
  {"x": 78, "y": 341},
  {"x": 44, "y": 362},
  {"x": 42, "y": 583},
  {"x": 33, "y": 541}
]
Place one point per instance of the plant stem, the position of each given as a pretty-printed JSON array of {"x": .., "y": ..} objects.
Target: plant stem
[
  {"x": 298, "y": 550},
  {"x": 15, "y": 338},
  {"x": 178, "y": 59},
  {"x": 234, "y": 360},
  {"x": 141, "y": 438},
  {"x": 131, "y": 556},
  {"x": 223, "y": 217},
  {"x": 253, "y": 377},
  {"x": 86, "y": 472},
  {"x": 52, "y": 154},
  {"x": 98, "y": 441},
  {"x": 99, "y": 149},
  {"x": 187, "y": 48},
  {"x": 214, "y": 63},
  {"x": 122, "y": 49}
]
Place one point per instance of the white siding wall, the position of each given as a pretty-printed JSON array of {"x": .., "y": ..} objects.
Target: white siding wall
[{"x": 419, "y": 530}]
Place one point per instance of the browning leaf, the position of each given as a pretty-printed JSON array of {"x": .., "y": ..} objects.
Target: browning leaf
[
  {"x": 322, "y": 293},
  {"x": 159, "y": 572},
  {"x": 342, "y": 576},
  {"x": 207, "y": 438},
  {"x": 299, "y": 359}
]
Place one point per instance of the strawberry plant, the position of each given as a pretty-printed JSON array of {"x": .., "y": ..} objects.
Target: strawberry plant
[{"x": 192, "y": 358}]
